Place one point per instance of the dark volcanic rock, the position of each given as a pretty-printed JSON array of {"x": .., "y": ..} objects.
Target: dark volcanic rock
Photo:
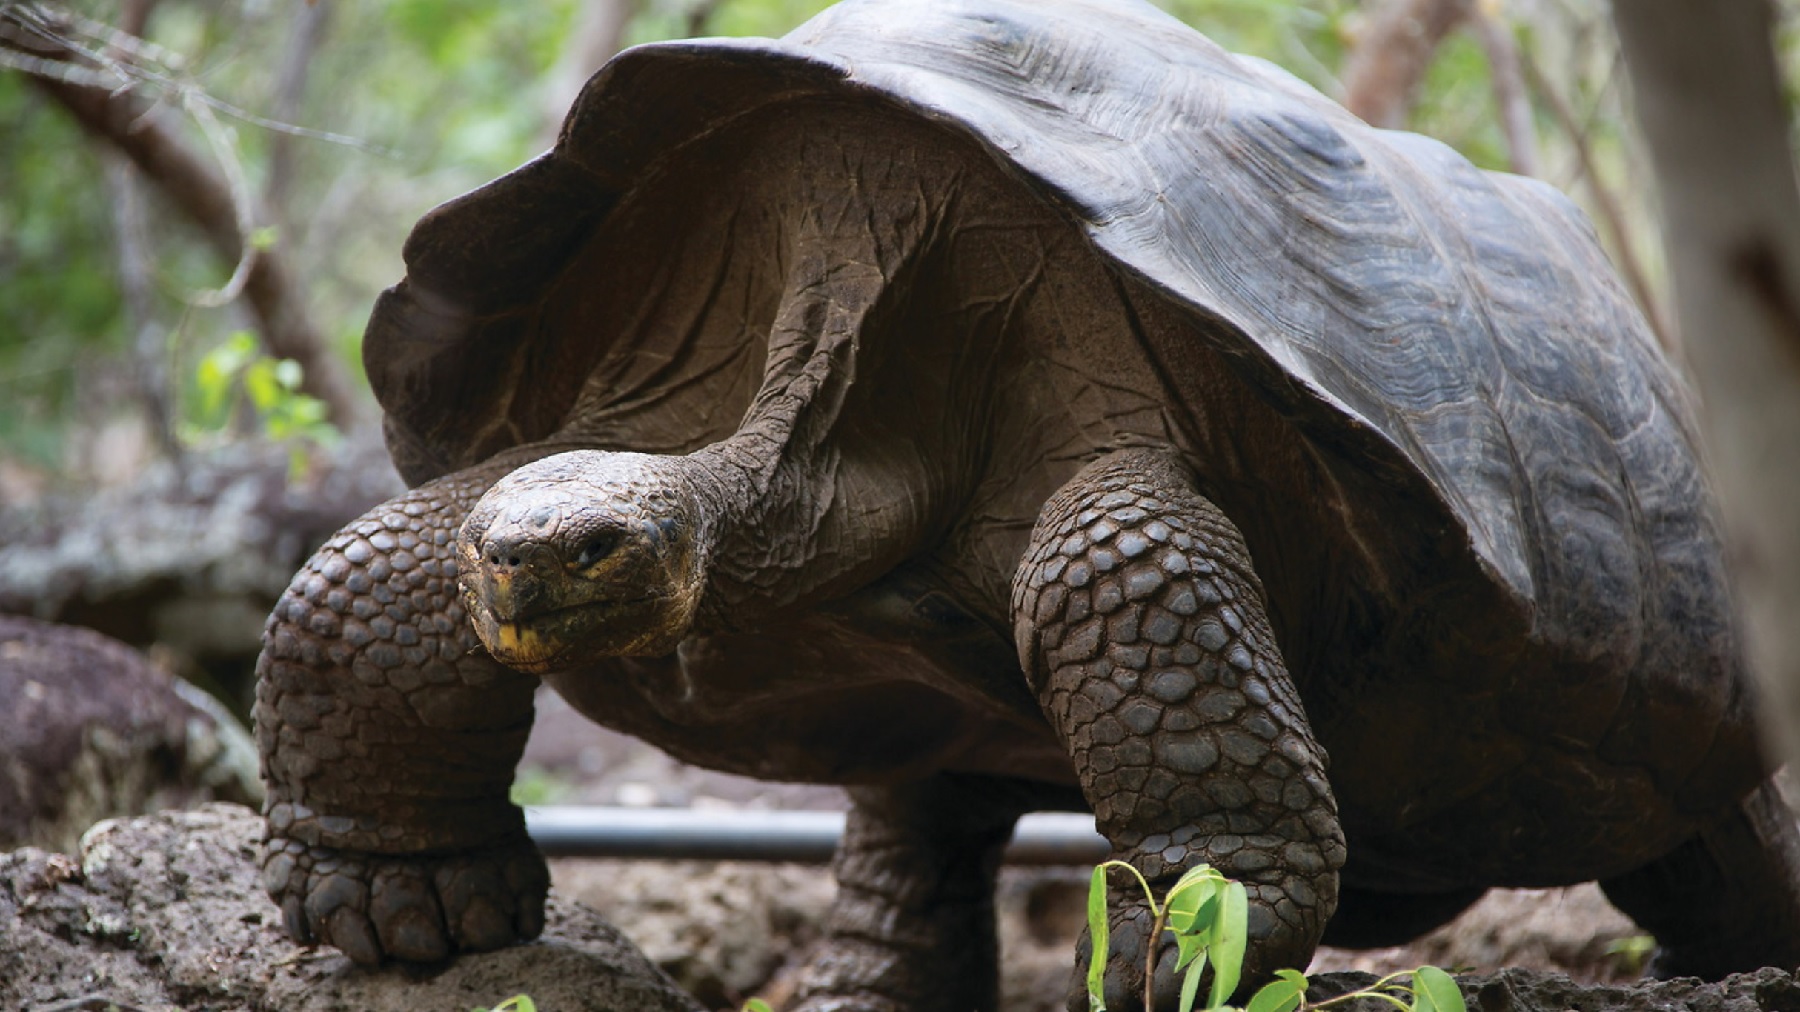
[
  {"x": 1766, "y": 990},
  {"x": 90, "y": 729},
  {"x": 167, "y": 912},
  {"x": 191, "y": 555}
]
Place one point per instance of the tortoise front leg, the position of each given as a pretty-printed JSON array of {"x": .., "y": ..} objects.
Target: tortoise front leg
[
  {"x": 388, "y": 740},
  {"x": 1141, "y": 626}
]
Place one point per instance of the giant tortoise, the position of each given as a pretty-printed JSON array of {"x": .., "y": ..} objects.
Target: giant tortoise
[{"x": 1004, "y": 404}]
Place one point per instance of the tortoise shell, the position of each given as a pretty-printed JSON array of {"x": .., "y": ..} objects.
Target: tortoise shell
[{"x": 1497, "y": 433}]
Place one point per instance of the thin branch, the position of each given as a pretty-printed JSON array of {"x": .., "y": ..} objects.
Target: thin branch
[
  {"x": 281, "y": 127},
  {"x": 1611, "y": 217},
  {"x": 1510, "y": 97},
  {"x": 242, "y": 215},
  {"x": 311, "y": 21},
  {"x": 147, "y": 343},
  {"x": 58, "y": 70},
  {"x": 42, "y": 45}
]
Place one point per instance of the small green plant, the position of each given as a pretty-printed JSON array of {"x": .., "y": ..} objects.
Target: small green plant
[
  {"x": 757, "y": 1005},
  {"x": 238, "y": 372},
  {"x": 1209, "y": 916},
  {"x": 517, "y": 1003},
  {"x": 1206, "y": 912},
  {"x": 1632, "y": 952},
  {"x": 535, "y": 785}
]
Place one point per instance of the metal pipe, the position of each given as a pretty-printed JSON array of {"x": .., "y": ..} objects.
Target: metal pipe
[{"x": 805, "y": 837}]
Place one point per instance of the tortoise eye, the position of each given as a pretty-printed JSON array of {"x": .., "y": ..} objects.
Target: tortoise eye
[{"x": 598, "y": 547}]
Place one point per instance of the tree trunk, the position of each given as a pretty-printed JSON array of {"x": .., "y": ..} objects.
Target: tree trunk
[
  {"x": 129, "y": 124},
  {"x": 1392, "y": 53},
  {"x": 1709, "y": 99},
  {"x": 599, "y": 33},
  {"x": 311, "y": 23}
]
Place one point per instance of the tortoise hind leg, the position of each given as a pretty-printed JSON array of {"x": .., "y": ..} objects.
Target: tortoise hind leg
[
  {"x": 1727, "y": 900},
  {"x": 1141, "y": 626},
  {"x": 912, "y": 928}
]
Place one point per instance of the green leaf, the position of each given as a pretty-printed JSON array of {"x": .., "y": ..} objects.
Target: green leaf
[
  {"x": 1198, "y": 873},
  {"x": 260, "y": 384},
  {"x": 1282, "y": 994},
  {"x": 1097, "y": 935},
  {"x": 1433, "y": 985},
  {"x": 1188, "y": 946},
  {"x": 236, "y": 351},
  {"x": 212, "y": 384},
  {"x": 1632, "y": 952},
  {"x": 1190, "y": 984},
  {"x": 1230, "y": 937},
  {"x": 1193, "y": 910},
  {"x": 288, "y": 373},
  {"x": 214, "y": 376},
  {"x": 757, "y": 1005}
]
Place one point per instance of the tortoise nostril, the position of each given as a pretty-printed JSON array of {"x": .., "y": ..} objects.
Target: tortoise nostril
[{"x": 505, "y": 556}]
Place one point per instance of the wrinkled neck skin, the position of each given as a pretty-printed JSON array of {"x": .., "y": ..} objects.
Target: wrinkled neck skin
[{"x": 797, "y": 511}]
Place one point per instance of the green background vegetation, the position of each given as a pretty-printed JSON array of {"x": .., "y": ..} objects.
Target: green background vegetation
[{"x": 445, "y": 94}]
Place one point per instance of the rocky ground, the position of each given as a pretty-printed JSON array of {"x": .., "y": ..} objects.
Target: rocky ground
[
  {"x": 726, "y": 931},
  {"x": 164, "y": 912},
  {"x": 90, "y": 728}
]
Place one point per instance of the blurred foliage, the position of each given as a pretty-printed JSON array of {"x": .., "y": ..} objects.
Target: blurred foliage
[
  {"x": 445, "y": 94},
  {"x": 58, "y": 294},
  {"x": 236, "y": 387},
  {"x": 536, "y": 785}
]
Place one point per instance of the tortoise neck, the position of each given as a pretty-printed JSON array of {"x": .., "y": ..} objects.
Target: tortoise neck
[
  {"x": 805, "y": 510},
  {"x": 766, "y": 513}
]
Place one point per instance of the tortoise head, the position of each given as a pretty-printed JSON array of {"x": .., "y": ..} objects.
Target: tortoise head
[{"x": 580, "y": 556}]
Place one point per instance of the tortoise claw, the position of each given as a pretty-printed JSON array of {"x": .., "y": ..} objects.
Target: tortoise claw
[{"x": 379, "y": 908}]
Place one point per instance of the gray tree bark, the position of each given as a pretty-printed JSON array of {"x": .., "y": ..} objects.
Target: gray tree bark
[
  {"x": 1382, "y": 73},
  {"x": 1709, "y": 100},
  {"x": 599, "y": 33}
]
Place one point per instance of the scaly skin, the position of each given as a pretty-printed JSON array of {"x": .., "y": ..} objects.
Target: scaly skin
[
  {"x": 1141, "y": 626},
  {"x": 389, "y": 739},
  {"x": 912, "y": 928}
]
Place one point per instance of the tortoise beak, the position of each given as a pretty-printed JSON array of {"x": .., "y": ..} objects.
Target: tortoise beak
[
  {"x": 506, "y": 581},
  {"x": 520, "y": 646}
]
